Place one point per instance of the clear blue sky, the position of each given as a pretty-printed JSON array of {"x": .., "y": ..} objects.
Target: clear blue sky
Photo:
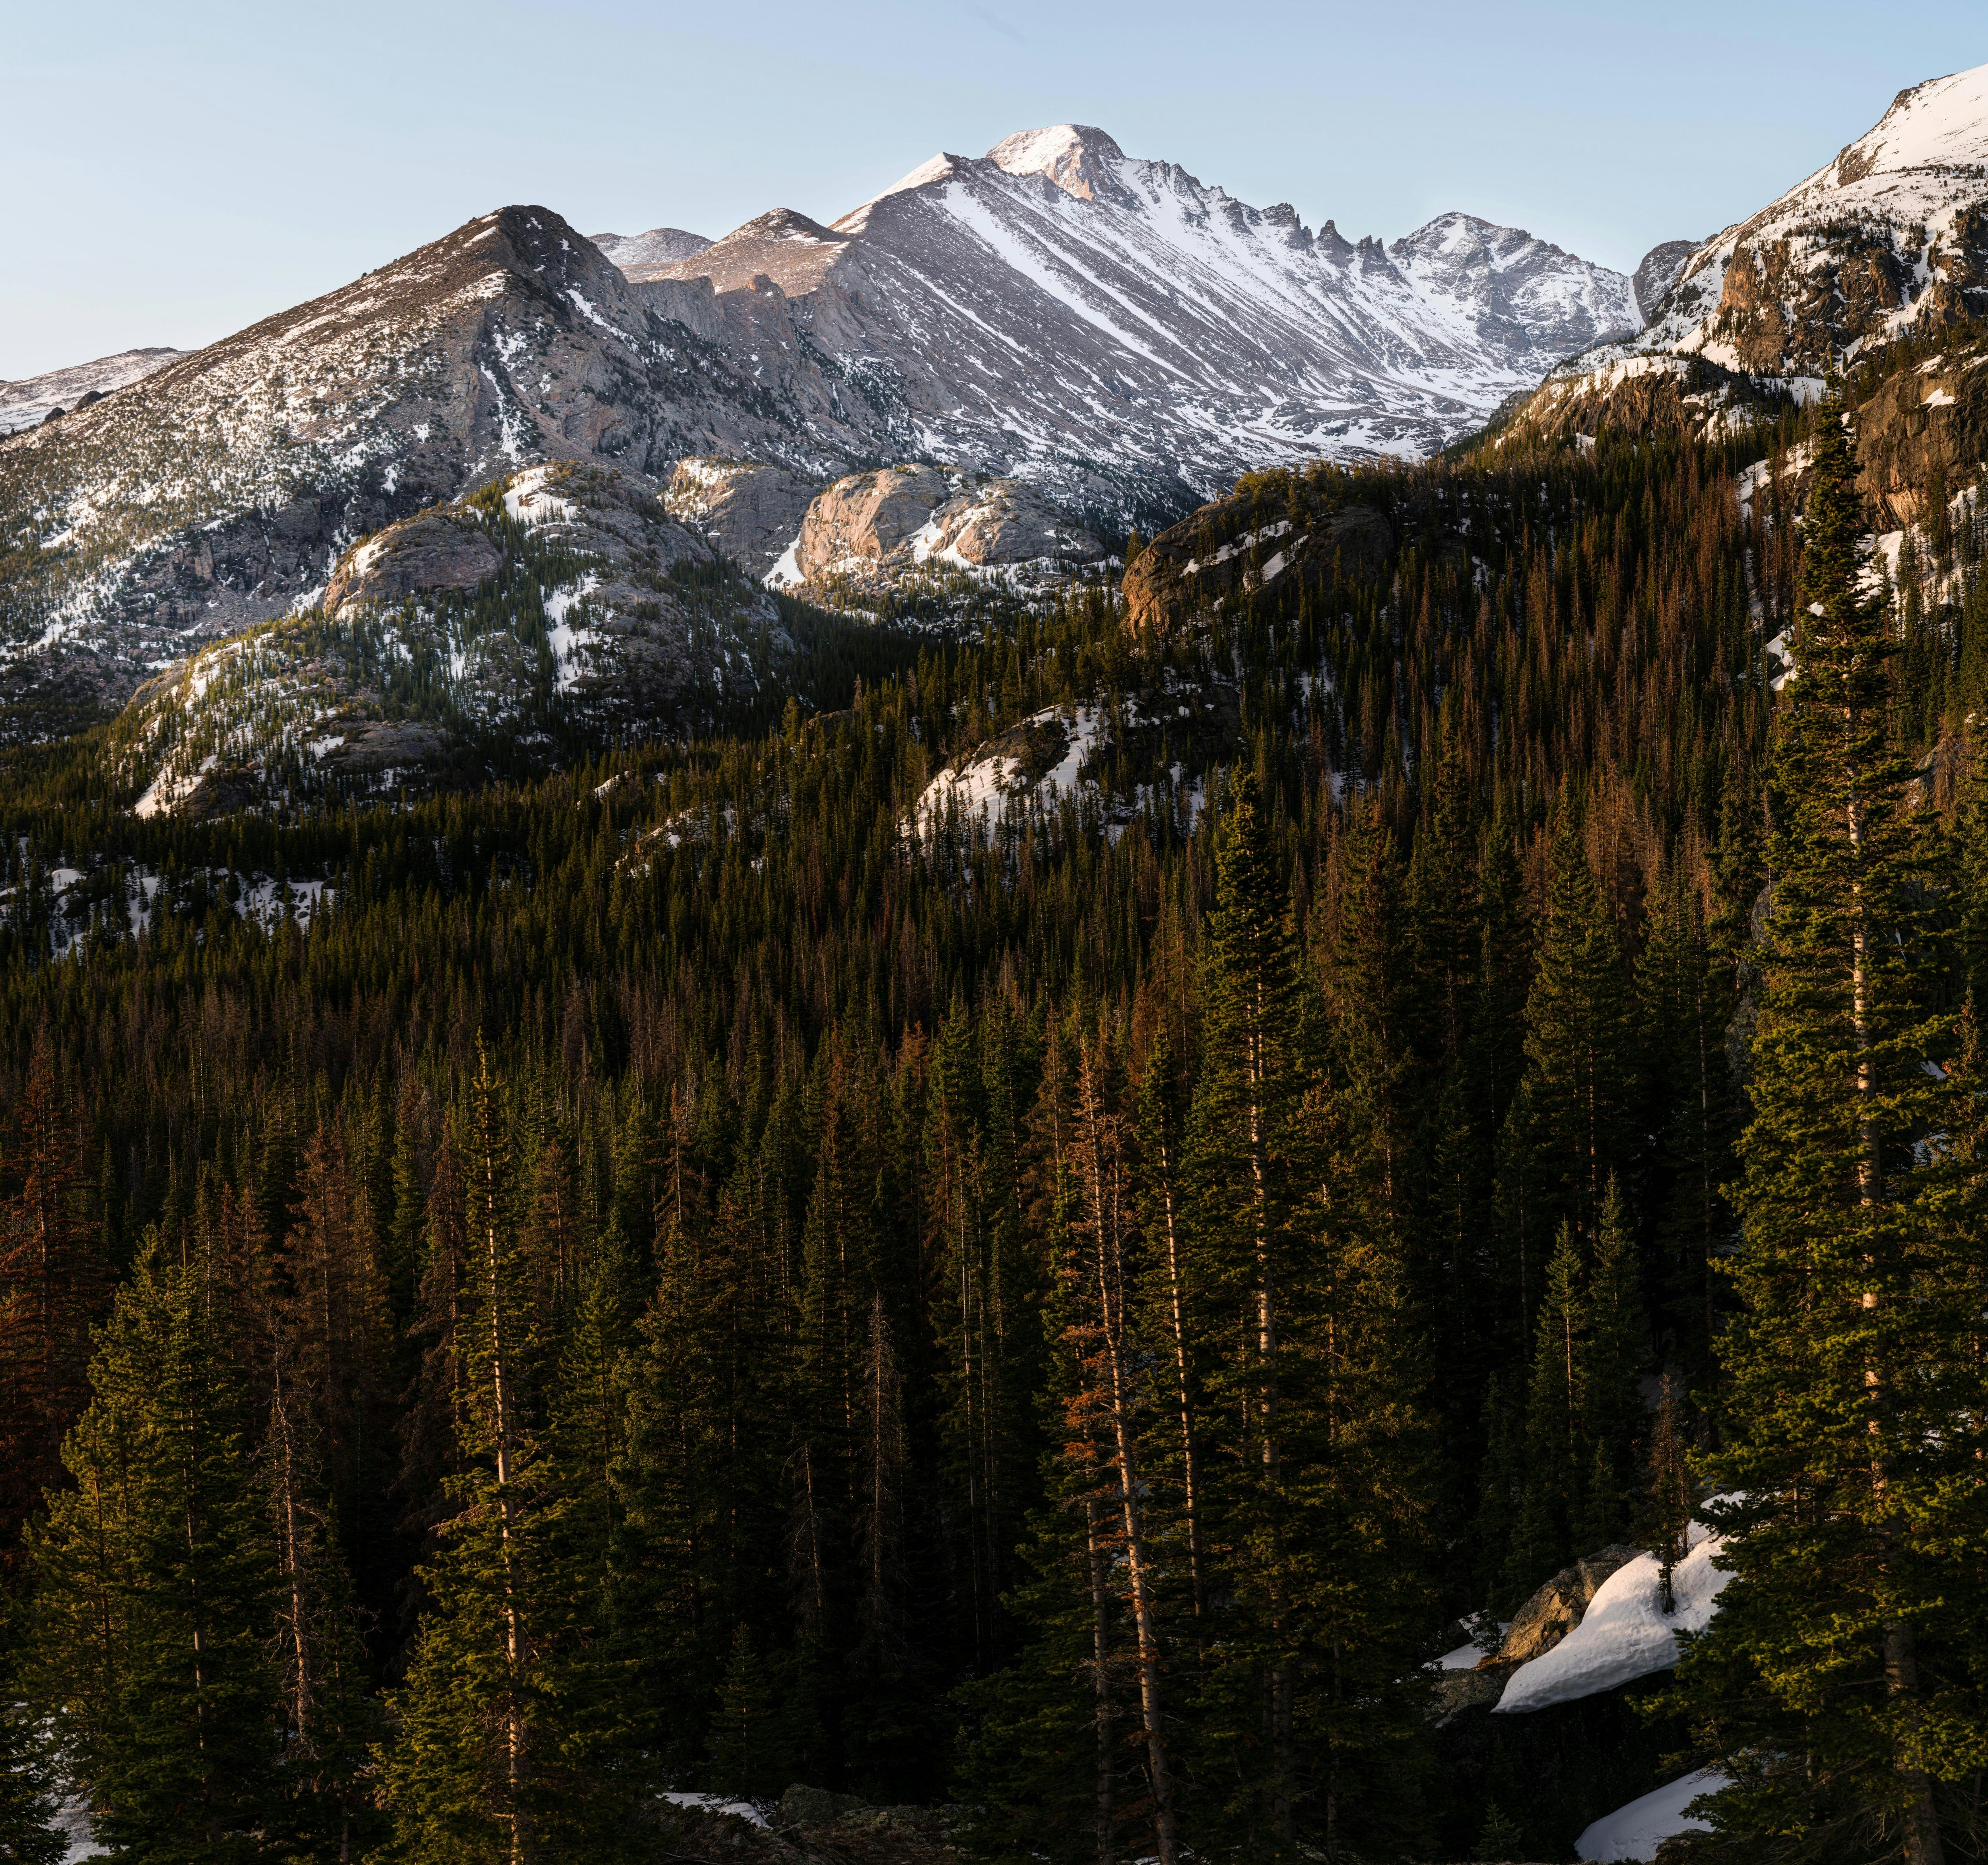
[{"x": 177, "y": 170}]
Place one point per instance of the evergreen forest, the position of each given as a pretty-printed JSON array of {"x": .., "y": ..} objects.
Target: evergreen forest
[{"x": 697, "y": 1273}]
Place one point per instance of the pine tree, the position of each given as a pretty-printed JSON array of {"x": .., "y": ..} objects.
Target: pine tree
[
  {"x": 1668, "y": 1500},
  {"x": 1612, "y": 1410},
  {"x": 29, "y": 1792},
  {"x": 1244, "y": 1170},
  {"x": 53, "y": 1283},
  {"x": 156, "y": 1582},
  {"x": 1833, "y": 1677}
]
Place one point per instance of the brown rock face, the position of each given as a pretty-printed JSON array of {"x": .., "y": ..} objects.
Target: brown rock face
[
  {"x": 868, "y": 516},
  {"x": 432, "y": 550},
  {"x": 1925, "y": 425}
]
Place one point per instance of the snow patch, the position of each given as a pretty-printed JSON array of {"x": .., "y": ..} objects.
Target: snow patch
[{"x": 1635, "y": 1831}]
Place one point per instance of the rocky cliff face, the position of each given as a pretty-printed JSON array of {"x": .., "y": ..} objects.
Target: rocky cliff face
[
  {"x": 1922, "y": 433},
  {"x": 870, "y": 527},
  {"x": 749, "y": 510},
  {"x": 1657, "y": 271}
]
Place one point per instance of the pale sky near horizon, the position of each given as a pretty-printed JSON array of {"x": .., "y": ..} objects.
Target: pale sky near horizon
[{"x": 179, "y": 171}]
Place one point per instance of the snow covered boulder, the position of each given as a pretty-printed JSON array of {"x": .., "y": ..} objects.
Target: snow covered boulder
[
  {"x": 1637, "y": 1830},
  {"x": 1558, "y": 1607},
  {"x": 1625, "y": 1633}
]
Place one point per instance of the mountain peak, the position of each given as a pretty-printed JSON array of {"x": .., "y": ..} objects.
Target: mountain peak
[{"x": 1075, "y": 156}]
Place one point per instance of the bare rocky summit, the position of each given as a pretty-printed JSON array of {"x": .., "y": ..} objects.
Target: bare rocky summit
[{"x": 659, "y": 247}]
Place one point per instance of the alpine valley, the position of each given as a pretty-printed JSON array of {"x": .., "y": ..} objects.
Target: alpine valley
[{"x": 1058, "y": 1025}]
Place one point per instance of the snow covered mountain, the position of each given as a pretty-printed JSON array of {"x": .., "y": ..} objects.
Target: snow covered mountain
[
  {"x": 659, "y": 247},
  {"x": 1892, "y": 234},
  {"x": 1889, "y": 238},
  {"x": 1110, "y": 330},
  {"x": 1113, "y": 327},
  {"x": 33, "y": 399}
]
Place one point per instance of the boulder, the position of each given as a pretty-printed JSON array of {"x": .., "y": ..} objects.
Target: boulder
[{"x": 1556, "y": 1608}]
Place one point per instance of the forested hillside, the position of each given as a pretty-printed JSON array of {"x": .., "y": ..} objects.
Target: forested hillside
[{"x": 721, "y": 1268}]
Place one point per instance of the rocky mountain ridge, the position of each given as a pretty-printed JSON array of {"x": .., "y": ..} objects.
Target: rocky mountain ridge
[
  {"x": 1887, "y": 241},
  {"x": 1109, "y": 331},
  {"x": 1117, "y": 330},
  {"x": 34, "y": 399}
]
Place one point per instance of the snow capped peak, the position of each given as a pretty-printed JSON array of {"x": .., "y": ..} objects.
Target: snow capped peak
[
  {"x": 1076, "y": 157},
  {"x": 1853, "y": 254},
  {"x": 1943, "y": 123}
]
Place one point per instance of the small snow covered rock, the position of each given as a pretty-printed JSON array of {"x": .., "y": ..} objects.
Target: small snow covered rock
[{"x": 1625, "y": 1633}]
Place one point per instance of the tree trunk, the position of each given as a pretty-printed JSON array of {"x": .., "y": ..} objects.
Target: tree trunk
[{"x": 1104, "y": 1809}]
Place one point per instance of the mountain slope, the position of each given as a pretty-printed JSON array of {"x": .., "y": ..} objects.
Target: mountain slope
[{"x": 26, "y": 403}]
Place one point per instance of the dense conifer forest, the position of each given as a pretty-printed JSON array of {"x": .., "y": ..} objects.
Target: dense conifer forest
[{"x": 693, "y": 1275}]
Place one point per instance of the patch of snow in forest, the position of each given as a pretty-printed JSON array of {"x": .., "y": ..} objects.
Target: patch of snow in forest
[
  {"x": 718, "y": 1803},
  {"x": 1635, "y": 1831},
  {"x": 528, "y": 500}
]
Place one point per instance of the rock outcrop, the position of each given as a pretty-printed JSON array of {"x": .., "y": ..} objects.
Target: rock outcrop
[
  {"x": 560, "y": 608},
  {"x": 749, "y": 510},
  {"x": 872, "y": 527},
  {"x": 1234, "y": 545},
  {"x": 1556, "y": 1608},
  {"x": 1553, "y": 1610},
  {"x": 445, "y": 550}
]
